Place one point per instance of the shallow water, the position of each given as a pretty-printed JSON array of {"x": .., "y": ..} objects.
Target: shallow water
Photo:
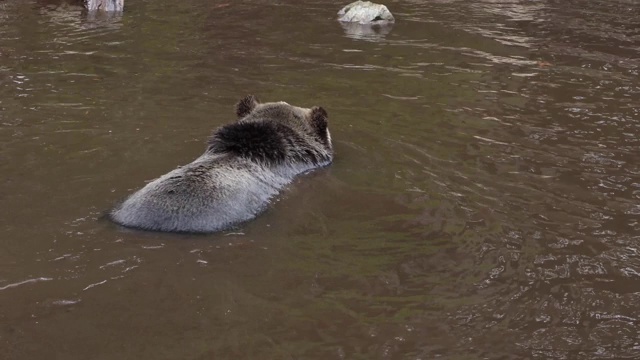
[{"x": 483, "y": 203}]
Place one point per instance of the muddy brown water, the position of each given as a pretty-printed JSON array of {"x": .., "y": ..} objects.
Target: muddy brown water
[{"x": 484, "y": 202}]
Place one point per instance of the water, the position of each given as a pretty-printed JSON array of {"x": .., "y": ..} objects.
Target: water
[{"x": 484, "y": 200}]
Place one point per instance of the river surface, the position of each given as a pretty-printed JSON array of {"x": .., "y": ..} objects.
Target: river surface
[{"x": 484, "y": 202}]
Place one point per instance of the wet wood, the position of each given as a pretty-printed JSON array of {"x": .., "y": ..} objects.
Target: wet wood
[{"x": 104, "y": 5}]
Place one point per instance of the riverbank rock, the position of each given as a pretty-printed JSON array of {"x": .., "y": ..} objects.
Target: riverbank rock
[{"x": 365, "y": 12}]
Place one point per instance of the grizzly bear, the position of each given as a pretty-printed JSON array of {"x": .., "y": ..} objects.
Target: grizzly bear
[{"x": 245, "y": 164}]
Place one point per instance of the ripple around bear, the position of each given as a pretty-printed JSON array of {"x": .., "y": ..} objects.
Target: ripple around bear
[{"x": 245, "y": 164}]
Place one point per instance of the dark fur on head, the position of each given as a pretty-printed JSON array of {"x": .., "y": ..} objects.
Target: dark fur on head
[
  {"x": 274, "y": 133},
  {"x": 260, "y": 142},
  {"x": 265, "y": 142}
]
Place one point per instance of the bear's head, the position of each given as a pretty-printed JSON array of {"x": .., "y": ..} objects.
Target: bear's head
[{"x": 312, "y": 121}]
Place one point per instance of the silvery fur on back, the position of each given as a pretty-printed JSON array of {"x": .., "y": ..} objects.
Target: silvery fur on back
[{"x": 245, "y": 164}]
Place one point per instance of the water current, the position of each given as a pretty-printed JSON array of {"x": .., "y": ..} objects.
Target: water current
[{"x": 484, "y": 202}]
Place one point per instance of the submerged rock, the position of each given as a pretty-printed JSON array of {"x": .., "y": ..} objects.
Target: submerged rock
[
  {"x": 368, "y": 32},
  {"x": 365, "y": 12}
]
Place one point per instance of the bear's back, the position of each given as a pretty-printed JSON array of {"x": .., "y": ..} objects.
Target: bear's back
[{"x": 210, "y": 194}]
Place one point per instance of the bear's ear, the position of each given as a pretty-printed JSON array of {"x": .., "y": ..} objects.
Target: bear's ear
[
  {"x": 320, "y": 121},
  {"x": 246, "y": 105}
]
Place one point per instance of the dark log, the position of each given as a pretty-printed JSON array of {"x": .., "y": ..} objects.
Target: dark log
[{"x": 104, "y": 5}]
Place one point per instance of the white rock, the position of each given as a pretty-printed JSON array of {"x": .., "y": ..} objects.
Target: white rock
[
  {"x": 104, "y": 5},
  {"x": 365, "y": 12}
]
